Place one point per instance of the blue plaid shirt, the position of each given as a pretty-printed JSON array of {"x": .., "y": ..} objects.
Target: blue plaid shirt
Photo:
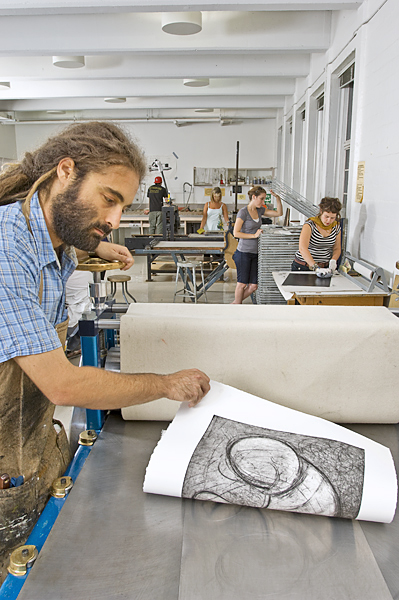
[{"x": 26, "y": 326}]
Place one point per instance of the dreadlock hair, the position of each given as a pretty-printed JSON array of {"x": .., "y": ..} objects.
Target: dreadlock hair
[{"x": 93, "y": 146}]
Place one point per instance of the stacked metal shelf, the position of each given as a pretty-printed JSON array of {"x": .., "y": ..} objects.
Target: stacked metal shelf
[
  {"x": 291, "y": 197},
  {"x": 277, "y": 247}
]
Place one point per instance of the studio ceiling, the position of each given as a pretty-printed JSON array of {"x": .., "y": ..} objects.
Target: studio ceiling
[{"x": 252, "y": 53}]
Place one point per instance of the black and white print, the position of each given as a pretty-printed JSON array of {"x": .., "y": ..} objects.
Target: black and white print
[{"x": 243, "y": 464}]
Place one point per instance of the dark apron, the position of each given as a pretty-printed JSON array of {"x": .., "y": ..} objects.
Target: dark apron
[{"x": 29, "y": 446}]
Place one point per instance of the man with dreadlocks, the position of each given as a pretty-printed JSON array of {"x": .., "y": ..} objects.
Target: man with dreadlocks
[{"x": 70, "y": 193}]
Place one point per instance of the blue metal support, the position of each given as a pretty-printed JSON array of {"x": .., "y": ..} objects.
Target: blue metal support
[
  {"x": 89, "y": 340},
  {"x": 110, "y": 337},
  {"x": 89, "y": 337},
  {"x": 13, "y": 584}
]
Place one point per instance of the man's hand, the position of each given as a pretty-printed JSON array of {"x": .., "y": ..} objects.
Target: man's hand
[
  {"x": 189, "y": 385},
  {"x": 146, "y": 211},
  {"x": 111, "y": 252}
]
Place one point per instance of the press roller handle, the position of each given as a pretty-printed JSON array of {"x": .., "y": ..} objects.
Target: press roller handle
[{"x": 98, "y": 264}]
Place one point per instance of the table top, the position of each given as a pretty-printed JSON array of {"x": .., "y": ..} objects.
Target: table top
[
  {"x": 140, "y": 216},
  {"x": 339, "y": 285},
  {"x": 112, "y": 540},
  {"x": 189, "y": 245}
]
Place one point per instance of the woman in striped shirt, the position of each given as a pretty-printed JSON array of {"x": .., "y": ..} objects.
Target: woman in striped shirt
[{"x": 320, "y": 239}]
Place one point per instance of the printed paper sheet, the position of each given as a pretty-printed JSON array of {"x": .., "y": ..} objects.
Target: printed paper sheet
[{"x": 240, "y": 449}]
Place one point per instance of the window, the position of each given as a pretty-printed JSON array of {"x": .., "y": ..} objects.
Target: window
[
  {"x": 318, "y": 150},
  {"x": 279, "y": 152},
  {"x": 315, "y": 148},
  {"x": 300, "y": 151},
  {"x": 346, "y": 82},
  {"x": 287, "y": 152}
]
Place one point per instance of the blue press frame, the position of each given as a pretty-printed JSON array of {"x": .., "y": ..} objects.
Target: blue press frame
[{"x": 13, "y": 584}]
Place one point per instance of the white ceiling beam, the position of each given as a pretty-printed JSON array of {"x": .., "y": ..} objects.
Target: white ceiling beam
[
  {"x": 45, "y": 7},
  {"x": 148, "y": 87},
  {"x": 85, "y": 34},
  {"x": 150, "y": 66},
  {"x": 178, "y": 102},
  {"x": 155, "y": 113}
]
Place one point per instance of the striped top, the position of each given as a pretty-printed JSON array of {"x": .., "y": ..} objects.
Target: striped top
[{"x": 321, "y": 248}]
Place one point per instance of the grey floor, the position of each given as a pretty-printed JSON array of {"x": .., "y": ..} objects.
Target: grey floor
[{"x": 162, "y": 288}]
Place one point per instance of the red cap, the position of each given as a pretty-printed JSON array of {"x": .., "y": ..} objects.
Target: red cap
[{"x": 158, "y": 180}]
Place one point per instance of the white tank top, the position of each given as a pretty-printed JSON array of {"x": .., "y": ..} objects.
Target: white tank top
[{"x": 213, "y": 217}]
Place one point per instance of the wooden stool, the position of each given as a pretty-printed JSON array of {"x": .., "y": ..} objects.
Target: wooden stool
[
  {"x": 186, "y": 269},
  {"x": 122, "y": 279}
]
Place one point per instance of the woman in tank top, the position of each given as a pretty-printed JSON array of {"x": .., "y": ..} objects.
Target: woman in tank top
[
  {"x": 247, "y": 229},
  {"x": 320, "y": 239},
  {"x": 215, "y": 212}
]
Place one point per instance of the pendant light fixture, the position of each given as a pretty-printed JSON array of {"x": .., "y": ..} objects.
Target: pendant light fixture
[{"x": 182, "y": 23}]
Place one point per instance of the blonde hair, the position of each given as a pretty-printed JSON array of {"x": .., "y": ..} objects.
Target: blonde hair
[{"x": 216, "y": 190}]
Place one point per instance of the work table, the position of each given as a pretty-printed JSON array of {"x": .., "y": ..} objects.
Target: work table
[
  {"x": 138, "y": 217},
  {"x": 113, "y": 540}
]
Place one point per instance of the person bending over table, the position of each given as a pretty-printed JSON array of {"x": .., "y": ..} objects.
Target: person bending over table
[
  {"x": 247, "y": 229},
  {"x": 70, "y": 193},
  {"x": 320, "y": 239},
  {"x": 215, "y": 215}
]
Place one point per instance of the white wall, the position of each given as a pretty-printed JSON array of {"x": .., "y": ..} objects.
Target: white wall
[
  {"x": 203, "y": 145},
  {"x": 8, "y": 148},
  {"x": 375, "y": 222},
  {"x": 370, "y": 34}
]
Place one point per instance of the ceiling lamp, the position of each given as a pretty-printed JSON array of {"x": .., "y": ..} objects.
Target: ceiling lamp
[
  {"x": 114, "y": 100},
  {"x": 69, "y": 62},
  {"x": 204, "y": 110},
  {"x": 4, "y": 85},
  {"x": 182, "y": 23},
  {"x": 196, "y": 82}
]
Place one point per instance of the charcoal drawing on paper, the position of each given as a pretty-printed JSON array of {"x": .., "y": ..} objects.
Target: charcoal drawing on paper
[{"x": 253, "y": 466}]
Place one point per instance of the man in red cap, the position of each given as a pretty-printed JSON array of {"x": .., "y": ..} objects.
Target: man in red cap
[{"x": 156, "y": 193}]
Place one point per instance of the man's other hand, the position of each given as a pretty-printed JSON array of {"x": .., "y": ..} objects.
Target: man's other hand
[{"x": 111, "y": 252}]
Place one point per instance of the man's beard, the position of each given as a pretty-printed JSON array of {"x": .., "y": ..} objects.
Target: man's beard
[{"x": 73, "y": 221}]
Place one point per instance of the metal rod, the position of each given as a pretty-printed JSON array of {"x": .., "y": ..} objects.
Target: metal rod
[
  {"x": 108, "y": 324},
  {"x": 236, "y": 189},
  {"x": 291, "y": 197},
  {"x": 118, "y": 307}
]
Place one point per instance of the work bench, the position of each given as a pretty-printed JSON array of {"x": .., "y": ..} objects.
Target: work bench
[
  {"x": 142, "y": 221},
  {"x": 339, "y": 292},
  {"x": 189, "y": 247},
  {"x": 112, "y": 540}
]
